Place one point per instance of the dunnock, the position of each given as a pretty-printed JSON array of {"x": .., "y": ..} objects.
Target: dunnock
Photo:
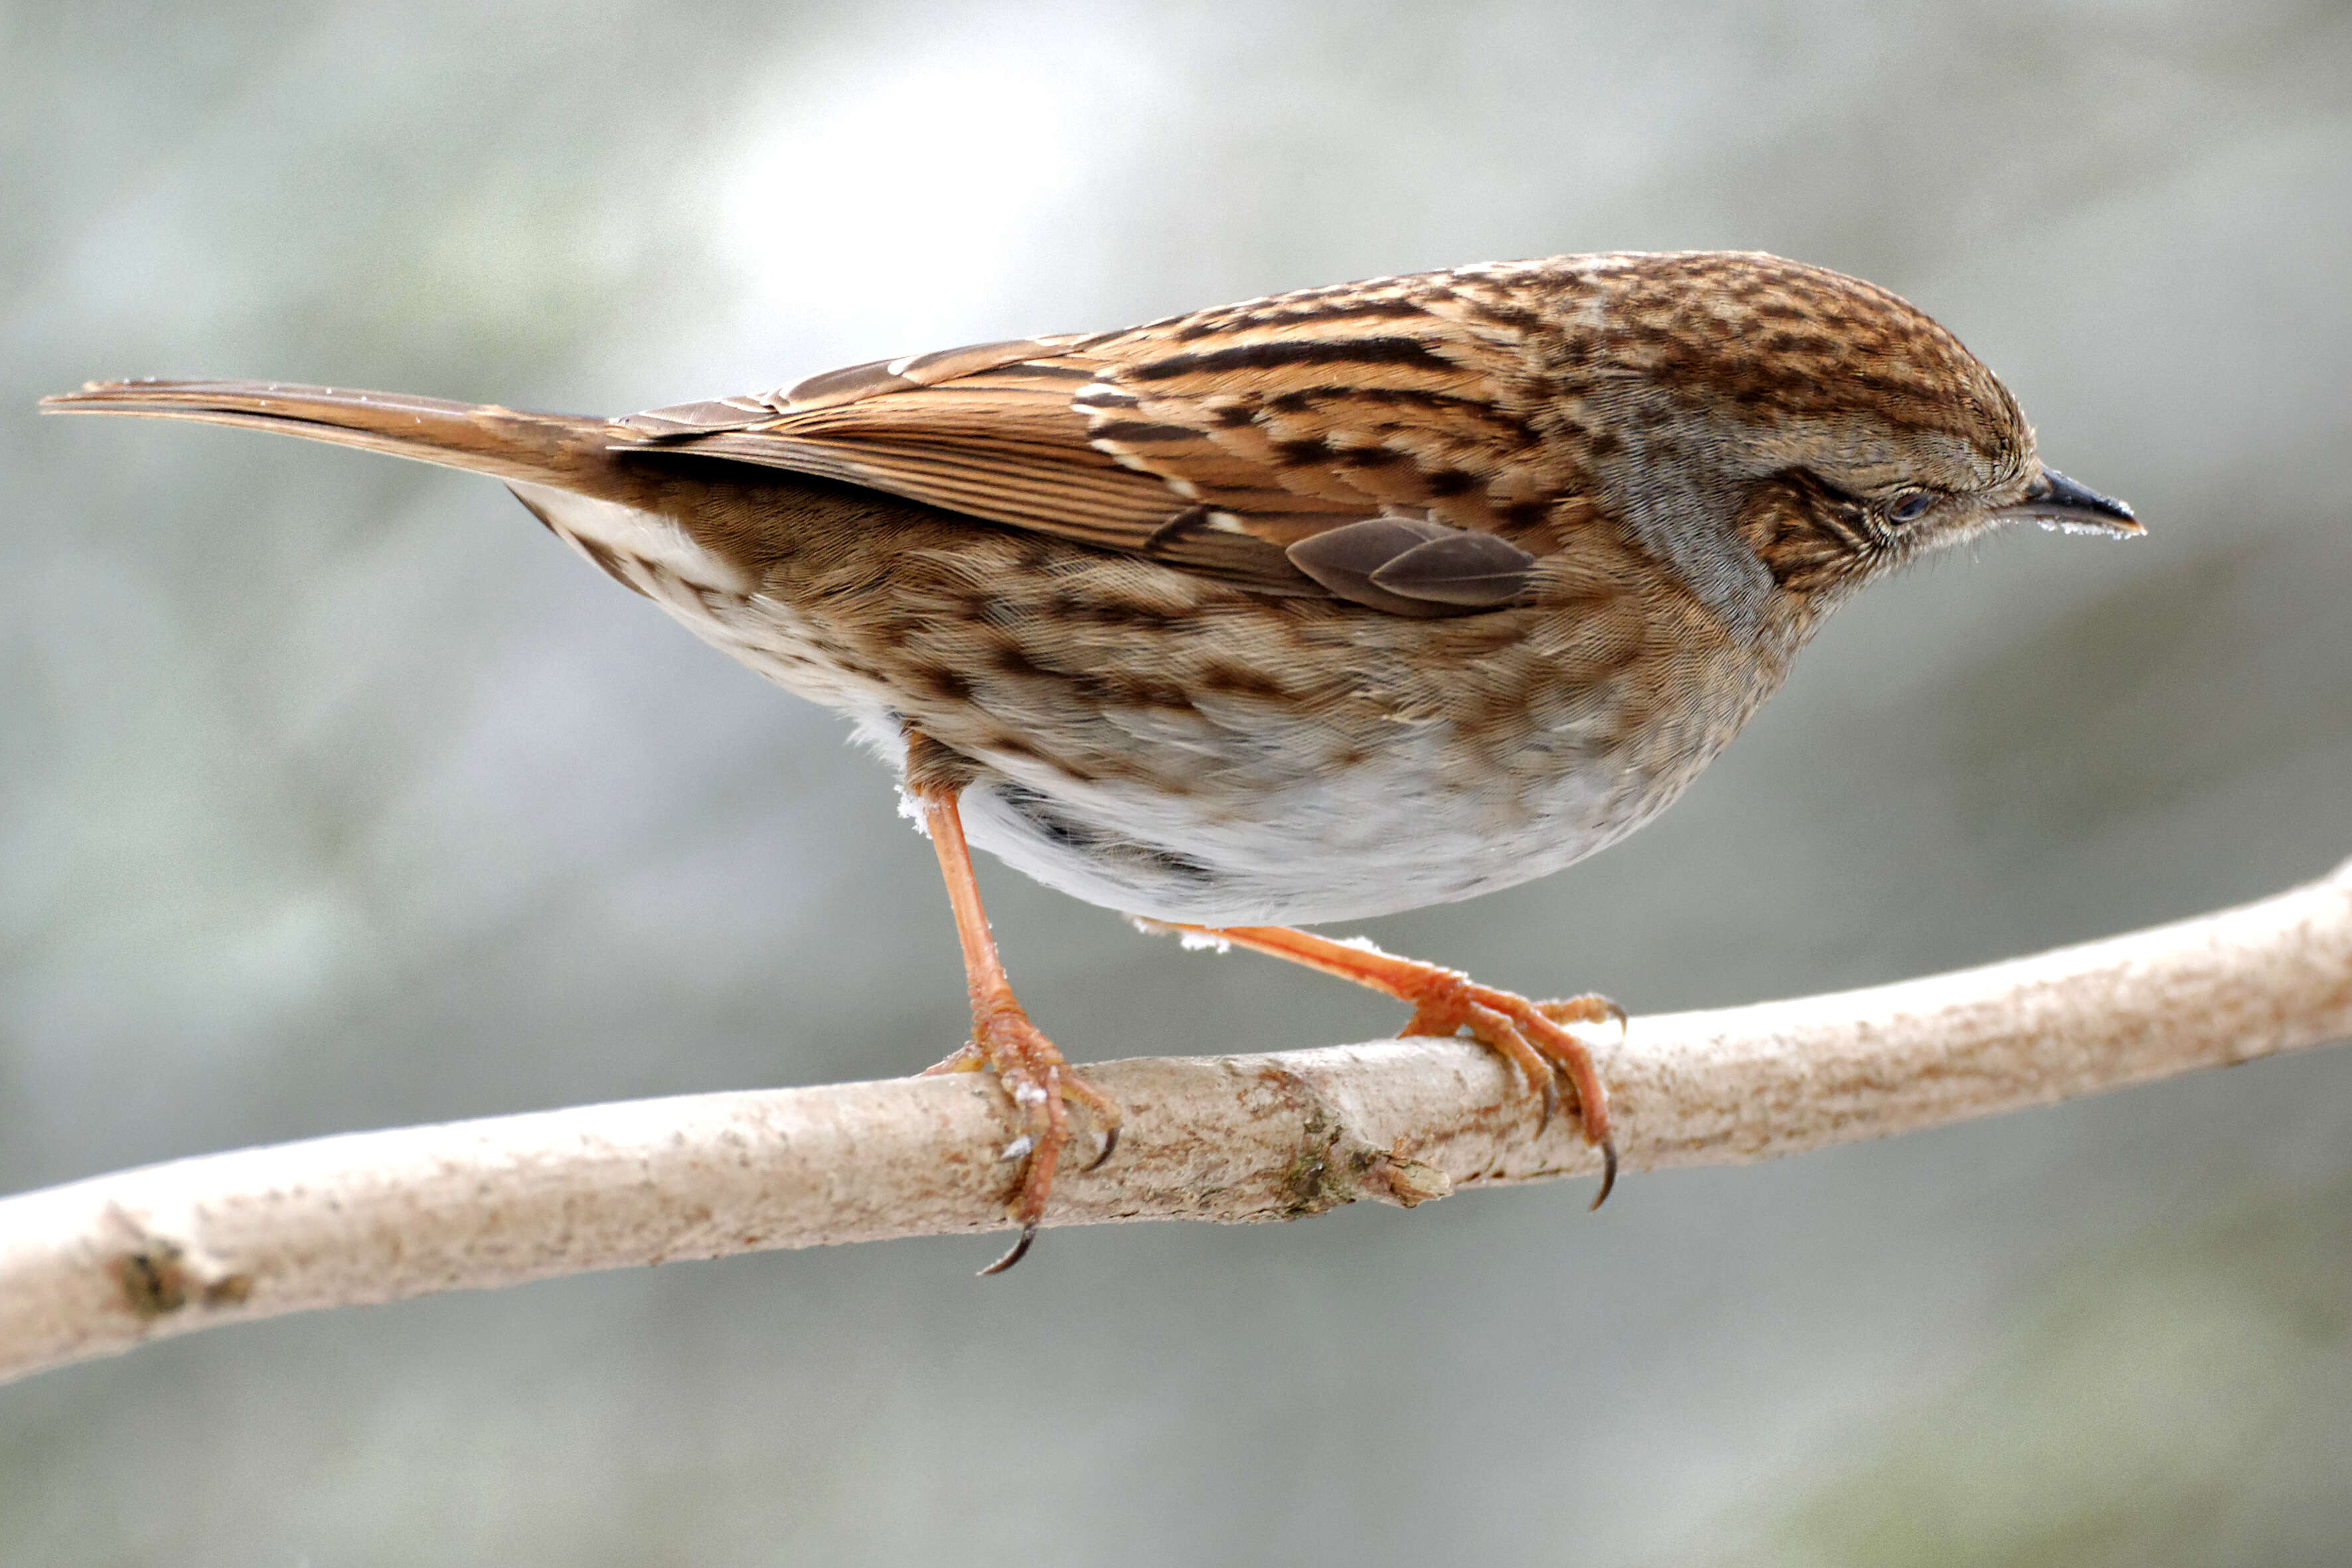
[{"x": 1312, "y": 608}]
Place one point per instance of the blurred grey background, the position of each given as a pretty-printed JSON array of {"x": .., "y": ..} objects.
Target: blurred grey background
[{"x": 334, "y": 794}]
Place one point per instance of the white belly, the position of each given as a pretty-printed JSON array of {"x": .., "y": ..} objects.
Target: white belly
[{"x": 1393, "y": 832}]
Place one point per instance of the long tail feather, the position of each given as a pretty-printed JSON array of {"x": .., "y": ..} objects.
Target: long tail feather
[{"x": 564, "y": 450}]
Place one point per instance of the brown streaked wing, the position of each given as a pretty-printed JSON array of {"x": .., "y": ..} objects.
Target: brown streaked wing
[
  {"x": 1006, "y": 446},
  {"x": 1215, "y": 441},
  {"x": 1416, "y": 395}
]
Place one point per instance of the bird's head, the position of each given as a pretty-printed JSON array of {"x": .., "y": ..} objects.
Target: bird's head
[{"x": 1835, "y": 429}]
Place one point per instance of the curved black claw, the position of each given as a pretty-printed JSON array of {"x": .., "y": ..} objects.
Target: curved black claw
[
  {"x": 1020, "y": 1250},
  {"x": 1550, "y": 1100},
  {"x": 1607, "y": 1178},
  {"x": 1110, "y": 1142}
]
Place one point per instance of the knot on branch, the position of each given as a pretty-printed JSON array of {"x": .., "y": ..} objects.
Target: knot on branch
[{"x": 158, "y": 1275}]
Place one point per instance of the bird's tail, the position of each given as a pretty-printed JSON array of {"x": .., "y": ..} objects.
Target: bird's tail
[{"x": 569, "y": 452}]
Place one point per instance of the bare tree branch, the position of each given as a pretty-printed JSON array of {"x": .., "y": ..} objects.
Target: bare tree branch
[{"x": 96, "y": 1266}]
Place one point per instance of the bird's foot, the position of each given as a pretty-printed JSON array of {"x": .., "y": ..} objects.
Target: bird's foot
[
  {"x": 1530, "y": 1034},
  {"x": 1042, "y": 1086}
]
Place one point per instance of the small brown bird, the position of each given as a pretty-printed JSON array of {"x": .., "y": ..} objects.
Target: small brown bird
[{"x": 1309, "y": 608}]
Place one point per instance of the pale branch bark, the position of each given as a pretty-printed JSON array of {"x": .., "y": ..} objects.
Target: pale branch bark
[{"x": 96, "y": 1266}]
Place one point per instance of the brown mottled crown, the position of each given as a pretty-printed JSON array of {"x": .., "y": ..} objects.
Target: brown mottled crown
[{"x": 1872, "y": 380}]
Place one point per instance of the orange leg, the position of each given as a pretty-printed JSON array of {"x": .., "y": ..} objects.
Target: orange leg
[
  {"x": 1005, "y": 1042},
  {"x": 1445, "y": 1000}
]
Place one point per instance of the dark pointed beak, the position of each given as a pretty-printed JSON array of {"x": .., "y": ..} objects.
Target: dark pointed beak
[{"x": 2056, "y": 502}]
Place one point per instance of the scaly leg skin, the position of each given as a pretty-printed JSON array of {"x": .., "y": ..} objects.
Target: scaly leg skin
[
  {"x": 1445, "y": 1000},
  {"x": 1005, "y": 1041}
]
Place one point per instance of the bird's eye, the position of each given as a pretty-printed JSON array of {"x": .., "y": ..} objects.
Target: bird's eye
[{"x": 1909, "y": 506}]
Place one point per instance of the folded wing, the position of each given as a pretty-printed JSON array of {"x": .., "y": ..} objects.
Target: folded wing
[{"x": 1400, "y": 415}]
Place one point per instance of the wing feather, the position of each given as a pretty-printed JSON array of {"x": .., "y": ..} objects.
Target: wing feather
[{"x": 1214, "y": 442}]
